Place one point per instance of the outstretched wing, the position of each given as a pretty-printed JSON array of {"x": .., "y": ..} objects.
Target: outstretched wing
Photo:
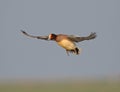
[
  {"x": 79, "y": 39},
  {"x": 38, "y": 37}
]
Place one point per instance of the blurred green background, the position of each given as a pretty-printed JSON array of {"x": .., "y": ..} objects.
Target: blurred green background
[{"x": 61, "y": 86}]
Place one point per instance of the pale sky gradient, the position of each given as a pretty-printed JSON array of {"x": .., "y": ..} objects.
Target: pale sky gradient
[{"x": 23, "y": 57}]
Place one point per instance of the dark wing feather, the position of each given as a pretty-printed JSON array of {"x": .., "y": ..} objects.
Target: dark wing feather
[
  {"x": 38, "y": 37},
  {"x": 79, "y": 39}
]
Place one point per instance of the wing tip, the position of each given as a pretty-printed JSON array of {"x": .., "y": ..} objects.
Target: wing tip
[
  {"x": 23, "y": 32},
  {"x": 93, "y": 35}
]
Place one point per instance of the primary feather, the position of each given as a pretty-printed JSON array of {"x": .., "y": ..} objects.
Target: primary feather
[
  {"x": 79, "y": 39},
  {"x": 38, "y": 37}
]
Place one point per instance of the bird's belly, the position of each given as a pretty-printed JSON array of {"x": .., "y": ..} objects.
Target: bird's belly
[{"x": 68, "y": 45}]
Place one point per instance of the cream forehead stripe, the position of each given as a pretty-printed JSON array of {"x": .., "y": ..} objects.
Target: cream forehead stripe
[{"x": 50, "y": 36}]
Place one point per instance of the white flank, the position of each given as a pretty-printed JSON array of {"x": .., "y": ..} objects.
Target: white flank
[{"x": 67, "y": 44}]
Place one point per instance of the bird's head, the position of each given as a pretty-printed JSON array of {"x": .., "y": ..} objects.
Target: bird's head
[{"x": 52, "y": 36}]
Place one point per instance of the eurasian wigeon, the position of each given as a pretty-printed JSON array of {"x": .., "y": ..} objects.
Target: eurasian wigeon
[{"x": 65, "y": 41}]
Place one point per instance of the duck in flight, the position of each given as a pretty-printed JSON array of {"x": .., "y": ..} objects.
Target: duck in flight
[{"x": 68, "y": 42}]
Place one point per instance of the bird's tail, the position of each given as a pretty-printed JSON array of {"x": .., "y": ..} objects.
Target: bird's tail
[{"x": 75, "y": 51}]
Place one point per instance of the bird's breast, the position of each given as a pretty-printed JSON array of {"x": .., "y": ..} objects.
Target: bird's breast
[{"x": 67, "y": 44}]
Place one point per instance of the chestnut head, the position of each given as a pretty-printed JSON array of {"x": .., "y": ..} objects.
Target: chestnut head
[{"x": 52, "y": 36}]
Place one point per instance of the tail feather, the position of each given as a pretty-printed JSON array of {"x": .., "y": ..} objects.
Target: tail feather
[{"x": 75, "y": 51}]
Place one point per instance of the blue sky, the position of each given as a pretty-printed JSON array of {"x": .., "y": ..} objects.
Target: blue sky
[{"x": 22, "y": 57}]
